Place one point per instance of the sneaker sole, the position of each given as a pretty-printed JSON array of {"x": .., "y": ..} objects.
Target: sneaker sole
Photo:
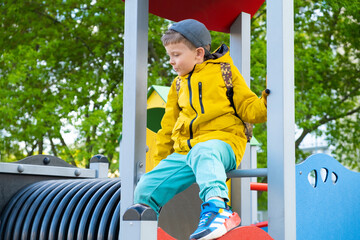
[{"x": 229, "y": 224}]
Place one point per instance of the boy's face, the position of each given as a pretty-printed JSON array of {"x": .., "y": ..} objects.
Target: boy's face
[{"x": 182, "y": 58}]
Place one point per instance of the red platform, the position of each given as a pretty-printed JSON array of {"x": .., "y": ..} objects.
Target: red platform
[
  {"x": 162, "y": 235},
  {"x": 240, "y": 233},
  {"x": 246, "y": 233},
  {"x": 216, "y": 15}
]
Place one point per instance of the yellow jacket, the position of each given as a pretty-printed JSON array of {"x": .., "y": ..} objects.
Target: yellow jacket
[{"x": 201, "y": 111}]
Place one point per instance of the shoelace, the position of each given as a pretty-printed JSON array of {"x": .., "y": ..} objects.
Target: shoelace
[{"x": 204, "y": 218}]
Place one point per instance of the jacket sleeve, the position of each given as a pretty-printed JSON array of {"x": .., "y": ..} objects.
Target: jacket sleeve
[
  {"x": 249, "y": 107},
  {"x": 164, "y": 143}
]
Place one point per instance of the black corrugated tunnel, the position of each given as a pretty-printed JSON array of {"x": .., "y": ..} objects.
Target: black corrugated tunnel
[{"x": 63, "y": 209}]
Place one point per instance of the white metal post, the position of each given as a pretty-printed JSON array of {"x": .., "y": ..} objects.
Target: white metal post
[
  {"x": 281, "y": 120},
  {"x": 133, "y": 143},
  {"x": 254, "y": 194},
  {"x": 240, "y": 44},
  {"x": 240, "y": 53}
]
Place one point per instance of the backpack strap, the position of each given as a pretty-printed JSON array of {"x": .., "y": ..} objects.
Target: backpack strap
[
  {"x": 178, "y": 81},
  {"x": 227, "y": 76}
]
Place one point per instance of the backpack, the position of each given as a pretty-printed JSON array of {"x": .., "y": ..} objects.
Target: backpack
[{"x": 227, "y": 76}]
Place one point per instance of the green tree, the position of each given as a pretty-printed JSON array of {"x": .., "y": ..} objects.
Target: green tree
[
  {"x": 327, "y": 101},
  {"x": 61, "y": 66},
  {"x": 327, "y": 74}
]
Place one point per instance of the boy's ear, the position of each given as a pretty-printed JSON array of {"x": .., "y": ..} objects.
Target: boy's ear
[{"x": 200, "y": 52}]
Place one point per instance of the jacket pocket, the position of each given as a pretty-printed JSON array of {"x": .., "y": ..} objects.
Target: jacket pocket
[{"x": 178, "y": 127}]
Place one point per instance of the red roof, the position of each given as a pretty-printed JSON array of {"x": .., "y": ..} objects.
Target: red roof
[{"x": 217, "y": 15}]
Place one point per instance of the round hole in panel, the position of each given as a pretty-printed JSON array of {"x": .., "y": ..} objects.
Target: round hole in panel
[
  {"x": 312, "y": 176},
  {"x": 324, "y": 174},
  {"x": 334, "y": 177}
]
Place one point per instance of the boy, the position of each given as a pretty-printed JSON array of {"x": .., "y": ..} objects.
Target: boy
[{"x": 201, "y": 137}]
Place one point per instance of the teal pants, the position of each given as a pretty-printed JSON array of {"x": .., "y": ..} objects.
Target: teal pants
[{"x": 206, "y": 164}]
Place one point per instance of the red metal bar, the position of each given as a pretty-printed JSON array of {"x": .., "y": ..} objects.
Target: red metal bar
[
  {"x": 261, "y": 224},
  {"x": 258, "y": 186}
]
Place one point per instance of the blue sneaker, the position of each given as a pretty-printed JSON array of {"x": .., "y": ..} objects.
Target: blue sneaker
[{"x": 215, "y": 222}]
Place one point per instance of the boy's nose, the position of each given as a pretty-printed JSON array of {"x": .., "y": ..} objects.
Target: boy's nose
[{"x": 172, "y": 62}]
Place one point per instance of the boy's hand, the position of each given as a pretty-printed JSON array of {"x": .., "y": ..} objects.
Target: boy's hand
[{"x": 264, "y": 95}]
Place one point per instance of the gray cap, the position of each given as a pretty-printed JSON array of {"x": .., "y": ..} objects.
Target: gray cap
[{"x": 194, "y": 31}]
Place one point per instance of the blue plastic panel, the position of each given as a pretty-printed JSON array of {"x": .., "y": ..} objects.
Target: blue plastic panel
[{"x": 327, "y": 200}]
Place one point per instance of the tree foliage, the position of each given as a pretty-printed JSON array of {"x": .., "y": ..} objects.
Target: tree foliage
[
  {"x": 327, "y": 101},
  {"x": 327, "y": 74},
  {"x": 61, "y": 66}
]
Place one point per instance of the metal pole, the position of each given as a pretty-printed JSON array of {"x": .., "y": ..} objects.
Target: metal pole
[
  {"x": 133, "y": 143},
  {"x": 254, "y": 194},
  {"x": 248, "y": 173},
  {"x": 240, "y": 44},
  {"x": 281, "y": 120},
  {"x": 240, "y": 53}
]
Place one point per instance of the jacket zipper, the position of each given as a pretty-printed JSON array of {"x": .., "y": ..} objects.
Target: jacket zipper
[
  {"x": 200, "y": 98},
  {"x": 191, "y": 104}
]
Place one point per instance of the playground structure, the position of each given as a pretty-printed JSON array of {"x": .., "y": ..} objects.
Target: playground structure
[
  {"x": 280, "y": 74},
  {"x": 57, "y": 201},
  {"x": 326, "y": 207}
]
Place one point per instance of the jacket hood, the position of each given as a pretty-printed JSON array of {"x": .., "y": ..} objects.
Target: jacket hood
[
  {"x": 220, "y": 55},
  {"x": 219, "y": 52}
]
